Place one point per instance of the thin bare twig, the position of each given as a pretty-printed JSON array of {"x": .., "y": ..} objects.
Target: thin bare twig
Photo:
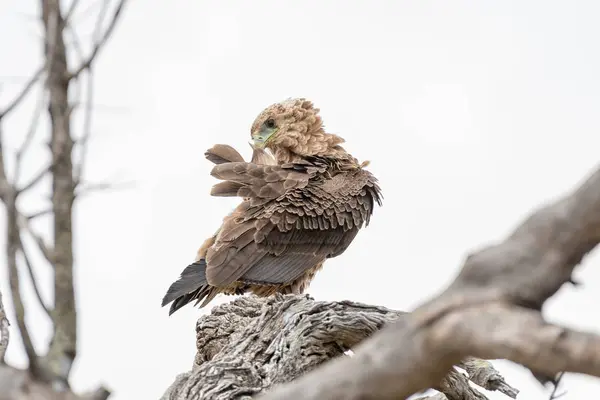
[
  {"x": 9, "y": 197},
  {"x": 553, "y": 394},
  {"x": 100, "y": 40},
  {"x": 83, "y": 141},
  {"x": 36, "y": 179},
  {"x": 71, "y": 11},
  {"x": 34, "y": 281},
  {"x": 5, "y": 186},
  {"x": 89, "y": 188},
  {"x": 4, "y": 331},
  {"x": 79, "y": 51},
  {"x": 12, "y": 247},
  {"x": 23, "y": 93},
  {"x": 25, "y": 225},
  {"x": 28, "y": 138},
  {"x": 37, "y": 214},
  {"x": 87, "y": 129}
]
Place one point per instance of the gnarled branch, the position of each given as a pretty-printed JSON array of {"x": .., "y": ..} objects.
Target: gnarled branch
[
  {"x": 503, "y": 285},
  {"x": 252, "y": 343}
]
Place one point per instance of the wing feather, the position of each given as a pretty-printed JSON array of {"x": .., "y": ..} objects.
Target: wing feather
[
  {"x": 223, "y": 153},
  {"x": 259, "y": 181},
  {"x": 292, "y": 219}
]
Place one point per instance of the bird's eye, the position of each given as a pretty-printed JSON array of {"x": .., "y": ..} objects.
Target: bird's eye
[{"x": 270, "y": 123}]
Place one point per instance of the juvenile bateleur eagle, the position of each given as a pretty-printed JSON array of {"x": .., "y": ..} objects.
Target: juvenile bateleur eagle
[{"x": 301, "y": 205}]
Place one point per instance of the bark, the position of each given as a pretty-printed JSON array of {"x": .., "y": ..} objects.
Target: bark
[
  {"x": 63, "y": 345},
  {"x": 4, "y": 332},
  {"x": 252, "y": 344}
]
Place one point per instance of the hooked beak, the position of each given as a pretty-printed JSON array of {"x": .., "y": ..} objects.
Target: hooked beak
[{"x": 260, "y": 139}]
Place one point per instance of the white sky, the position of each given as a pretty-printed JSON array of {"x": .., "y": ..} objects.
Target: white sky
[{"x": 472, "y": 113}]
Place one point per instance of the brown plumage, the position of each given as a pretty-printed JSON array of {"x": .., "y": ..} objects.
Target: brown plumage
[{"x": 304, "y": 204}]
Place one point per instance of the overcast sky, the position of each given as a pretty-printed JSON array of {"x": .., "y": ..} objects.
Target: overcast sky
[{"x": 471, "y": 112}]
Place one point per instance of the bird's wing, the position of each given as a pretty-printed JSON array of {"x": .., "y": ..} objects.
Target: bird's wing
[
  {"x": 255, "y": 181},
  {"x": 223, "y": 153},
  {"x": 288, "y": 224}
]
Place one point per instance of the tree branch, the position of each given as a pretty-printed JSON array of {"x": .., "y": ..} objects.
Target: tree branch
[
  {"x": 4, "y": 331},
  {"x": 18, "y": 384},
  {"x": 36, "y": 179},
  {"x": 89, "y": 188},
  {"x": 254, "y": 343},
  {"x": 100, "y": 40},
  {"x": 12, "y": 247},
  {"x": 503, "y": 285},
  {"x": 28, "y": 139},
  {"x": 9, "y": 197},
  {"x": 22, "y": 94},
  {"x": 24, "y": 224},
  {"x": 71, "y": 10},
  {"x": 34, "y": 281},
  {"x": 37, "y": 214},
  {"x": 87, "y": 128},
  {"x": 6, "y": 189},
  {"x": 484, "y": 374}
]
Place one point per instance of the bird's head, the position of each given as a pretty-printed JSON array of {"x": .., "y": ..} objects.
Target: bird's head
[{"x": 293, "y": 126}]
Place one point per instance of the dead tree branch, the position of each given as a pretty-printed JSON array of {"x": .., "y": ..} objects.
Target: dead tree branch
[
  {"x": 34, "y": 281},
  {"x": 89, "y": 188},
  {"x": 36, "y": 179},
  {"x": 44, "y": 248},
  {"x": 38, "y": 214},
  {"x": 22, "y": 94},
  {"x": 87, "y": 129},
  {"x": 252, "y": 343},
  {"x": 100, "y": 39},
  {"x": 4, "y": 331},
  {"x": 9, "y": 197},
  {"x": 502, "y": 285},
  {"x": 484, "y": 374},
  {"x": 33, "y": 125},
  {"x": 12, "y": 247}
]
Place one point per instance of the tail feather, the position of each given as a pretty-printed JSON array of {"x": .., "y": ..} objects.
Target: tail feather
[{"x": 190, "y": 286}]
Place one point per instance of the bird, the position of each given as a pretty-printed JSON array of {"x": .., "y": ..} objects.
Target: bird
[{"x": 304, "y": 199}]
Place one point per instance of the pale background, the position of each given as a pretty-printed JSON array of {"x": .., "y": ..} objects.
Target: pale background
[{"x": 472, "y": 113}]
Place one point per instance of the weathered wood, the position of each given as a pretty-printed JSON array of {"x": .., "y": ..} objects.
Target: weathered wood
[
  {"x": 252, "y": 344},
  {"x": 491, "y": 310}
]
